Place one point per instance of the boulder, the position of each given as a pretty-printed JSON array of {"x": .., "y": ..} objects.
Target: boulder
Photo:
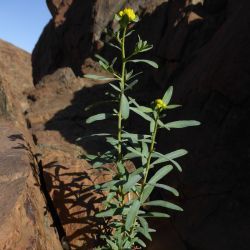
[{"x": 26, "y": 221}]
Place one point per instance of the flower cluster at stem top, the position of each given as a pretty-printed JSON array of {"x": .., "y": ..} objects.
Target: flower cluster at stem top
[
  {"x": 160, "y": 104},
  {"x": 129, "y": 13}
]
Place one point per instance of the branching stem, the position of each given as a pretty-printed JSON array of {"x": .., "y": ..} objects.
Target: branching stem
[{"x": 152, "y": 147}]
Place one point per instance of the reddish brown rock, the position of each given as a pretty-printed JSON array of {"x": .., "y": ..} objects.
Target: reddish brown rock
[
  {"x": 24, "y": 224},
  {"x": 15, "y": 71},
  {"x": 203, "y": 51},
  {"x": 69, "y": 179},
  {"x": 25, "y": 220}
]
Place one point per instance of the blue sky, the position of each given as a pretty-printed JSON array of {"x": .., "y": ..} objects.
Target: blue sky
[{"x": 22, "y": 21}]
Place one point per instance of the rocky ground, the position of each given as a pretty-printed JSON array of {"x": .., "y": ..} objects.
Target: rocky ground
[{"x": 202, "y": 49}]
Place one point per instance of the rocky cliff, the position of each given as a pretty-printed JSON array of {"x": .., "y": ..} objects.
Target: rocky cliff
[
  {"x": 25, "y": 219},
  {"x": 202, "y": 49}
]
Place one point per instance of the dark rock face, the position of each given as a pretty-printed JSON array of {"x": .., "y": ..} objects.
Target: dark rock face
[
  {"x": 66, "y": 40},
  {"x": 211, "y": 80},
  {"x": 203, "y": 50},
  {"x": 69, "y": 38}
]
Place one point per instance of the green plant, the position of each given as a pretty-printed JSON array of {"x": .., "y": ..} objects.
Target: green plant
[{"x": 128, "y": 191}]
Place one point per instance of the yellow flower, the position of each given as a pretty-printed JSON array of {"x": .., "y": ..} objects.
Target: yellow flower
[
  {"x": 160, "y": 104},
  {"x": 129, "y": 13}
]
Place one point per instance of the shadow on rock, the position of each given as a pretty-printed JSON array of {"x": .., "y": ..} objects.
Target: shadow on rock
[{"x": 76, "y": 203}]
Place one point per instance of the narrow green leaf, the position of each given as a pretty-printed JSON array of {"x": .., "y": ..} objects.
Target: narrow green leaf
[
  {"x": 145, "y": 151},
  {"x": 168, "y": 94},
  {"x": 140, "y": 113},
  {"x": 176, "y": 164},
  {"x": 117, "y": 34},
  {"x": 104, "y": 65},
  {"x": 121, "y": 168},
  {"x": 143, "y": 222},
  {"x": 141, "y": 212},
  {"x": 140, "y": 242},
  {"x": 135, "y": 75},
  {"x": 173, "y": 106},
  {"x": 167, "y": 188},
  {"x": 129, "y": 74},
  {"x": 156, "y": 215},
  {"x": 146, "y": 48},
  {"x": 108, "y": 184},
  {"x": 139, "y": 107},
  {"x": 131, "y": 85},
  {"x": 90, "y": 157},
  {"x": 93, "y": 135},
  {"x": 139, "y": 43},
  {"x": 127, "y": 245},
  {"x": 137, "y": 171},
  {"x": 101, "y": 58},
  {"x": 99, "y": 117},
  {"x": 115, "y": 46},
  {"x": 165, "y": 204},
  {"x": 135, "y": 137},
  {"x": 124, "y": 107},
  {"x": 158, "y": 175},
  {"x": 113, "y": 62},
  {"x": 129, "y": 33},
  {"x": 182, "y": 124},
  {"x": 144, "y": 233},
  {"x": 97, "y": 164},
  {"x": 172, "y": 155},
  {"x": 151, "y": 63},
  {"x": 168, "y": 157},
  {"x": 132, "y": 214},
  {"x": 112, "y": 244},
  {"x": 131, "y": 182},
  {"x": 144, "y": 225},
  {"x": 134, "y": 151},
  {"x": 162, "y": 125},
  {"x": 99, "y": 78},
  {"x": 112, "y": 141},
  {"x": 98, "y": 103},
  {"x": 110, "y": 196},
  {"x": 152, "y": 126},
  {"x": 131, "y": 100},
  {"x": 145, "y": 109},
  {"x": 131, "y": 155},
  {"x": 115, "y": 87},
  {"x": 107, "y": 213},
  {"x": 118, "y": 236}
]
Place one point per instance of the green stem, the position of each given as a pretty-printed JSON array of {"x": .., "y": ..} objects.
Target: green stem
[
  {"x": 119, "y": 135},
  {"x": 123, "y": 80},
  {"x": 152, "y": 146}
]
